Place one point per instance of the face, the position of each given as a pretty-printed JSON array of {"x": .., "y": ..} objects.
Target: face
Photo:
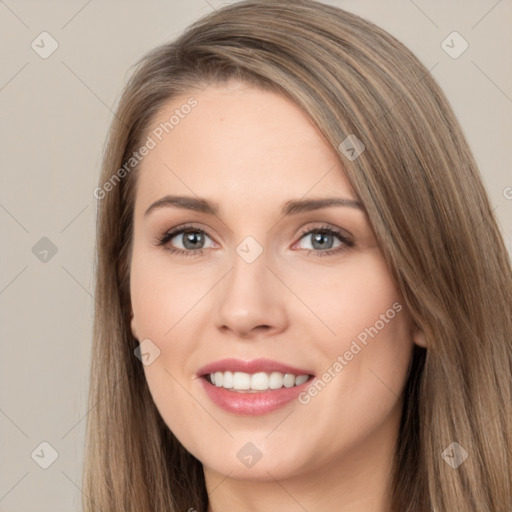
[{"x": 278, "y": 343}]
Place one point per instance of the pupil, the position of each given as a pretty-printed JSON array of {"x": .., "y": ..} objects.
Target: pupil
[
  {"x": 192, "y": 238},
  {"x": 318, "y": 239}
]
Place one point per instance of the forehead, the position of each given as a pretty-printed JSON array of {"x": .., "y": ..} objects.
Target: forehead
[{"x": 238, "y": 141}]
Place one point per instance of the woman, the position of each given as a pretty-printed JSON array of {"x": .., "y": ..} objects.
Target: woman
[{"x": 232, "y": 367}]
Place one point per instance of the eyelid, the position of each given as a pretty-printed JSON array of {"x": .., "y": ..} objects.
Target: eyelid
[
  {"x": 178, "y": 230},
  {"x": 340, "y": 232},
  {"x": 345, "y": 238}
]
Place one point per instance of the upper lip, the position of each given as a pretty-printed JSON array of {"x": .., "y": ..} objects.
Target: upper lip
[{"x": 252, "y": 366}]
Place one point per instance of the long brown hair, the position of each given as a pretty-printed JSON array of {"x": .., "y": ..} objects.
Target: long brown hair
[{"x": 425, "y": 200}]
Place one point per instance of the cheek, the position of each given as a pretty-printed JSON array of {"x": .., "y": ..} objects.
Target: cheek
[
  {"x": 169, "y": 312},
  {"x": 163, "y": 306},
  {"x": 356, "y": 298},
  {"x": 162, "y": 297},
  {"x": 365, "y": 345}
]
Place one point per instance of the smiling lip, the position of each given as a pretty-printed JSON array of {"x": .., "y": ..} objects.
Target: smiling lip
[
  {"x": 251, "y": 404},
  {"x": 253, "y": 366}
]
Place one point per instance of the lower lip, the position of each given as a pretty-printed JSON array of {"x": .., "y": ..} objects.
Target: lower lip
[{"x": 252, "y": 404}]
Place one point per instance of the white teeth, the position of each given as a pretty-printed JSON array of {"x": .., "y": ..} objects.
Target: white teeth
[
  {"x": 227, "y": 380},
  {"x": 289, "y": 380},
  {"x": 300, "y": 379},
  {"x": 241, "y": 380},
  {"x": 275, "y": 380},
  {"x": 260, "y": 381}
]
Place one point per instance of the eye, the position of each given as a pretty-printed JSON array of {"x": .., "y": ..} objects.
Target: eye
[
  {"x": 185, "y": 240},
  {"x": 190, "y": 240},
  {"x": 322, "y": 240}
]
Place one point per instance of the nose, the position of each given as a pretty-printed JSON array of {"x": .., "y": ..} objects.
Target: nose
[{"x": 251, "y": 300}]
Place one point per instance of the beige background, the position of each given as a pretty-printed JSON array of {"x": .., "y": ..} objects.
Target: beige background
[{"x": 55, "y": 113}]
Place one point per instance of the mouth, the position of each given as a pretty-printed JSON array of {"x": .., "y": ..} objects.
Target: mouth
[
  {"x": 252, "y": 387},
  {"x": 242, "y": 382}
]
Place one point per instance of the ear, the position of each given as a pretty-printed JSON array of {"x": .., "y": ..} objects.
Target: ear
[
  {"x": 132, "y": 325},
  {"x": 418, "y": 336}
]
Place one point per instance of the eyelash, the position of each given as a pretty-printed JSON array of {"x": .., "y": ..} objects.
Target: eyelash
[{"x": 347, "y": 242}]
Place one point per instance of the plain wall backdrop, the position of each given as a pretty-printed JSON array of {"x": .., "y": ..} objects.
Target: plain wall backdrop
[{"x": 55, "y": 112}]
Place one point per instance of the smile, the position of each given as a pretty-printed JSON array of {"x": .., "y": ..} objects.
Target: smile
[
  {"x": 252, "y": 387},
  {"x": 261, "y": 381}
]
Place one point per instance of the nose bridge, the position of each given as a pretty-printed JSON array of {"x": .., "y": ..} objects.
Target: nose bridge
[
  {"x": 249, "y": 271},
  {"x": 249, "y": 298}
]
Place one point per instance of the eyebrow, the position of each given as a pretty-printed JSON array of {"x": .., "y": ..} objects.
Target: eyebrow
[{"x": 289, "y": 208}]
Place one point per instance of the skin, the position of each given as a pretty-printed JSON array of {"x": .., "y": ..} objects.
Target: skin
[{"x": 251, "y": 151}]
